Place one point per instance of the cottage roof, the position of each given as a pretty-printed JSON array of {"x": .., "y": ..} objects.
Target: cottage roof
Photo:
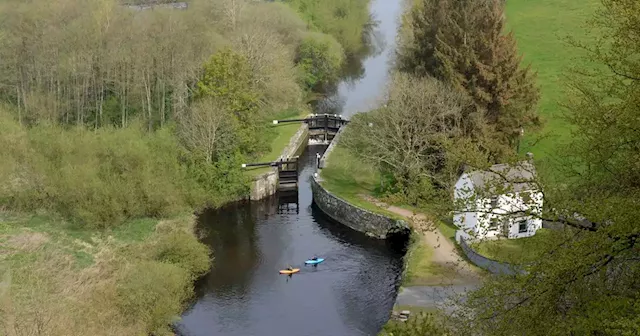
[{"x": 505, "y": 178}]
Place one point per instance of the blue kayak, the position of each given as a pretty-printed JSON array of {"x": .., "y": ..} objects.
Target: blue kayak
[{"x": 314, "y": 261}]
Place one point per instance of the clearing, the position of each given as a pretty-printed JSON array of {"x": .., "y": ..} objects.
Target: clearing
[{"x": 541, "y": 28}]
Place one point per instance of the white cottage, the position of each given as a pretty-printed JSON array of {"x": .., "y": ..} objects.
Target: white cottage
[{"x": 501, "y": 202}]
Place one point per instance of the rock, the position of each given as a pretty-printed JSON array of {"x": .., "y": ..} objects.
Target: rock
[
  {"x": 395, "y": 313},
  {"x": 403, "y": 319},
  {"x": 405, "y": 313}
]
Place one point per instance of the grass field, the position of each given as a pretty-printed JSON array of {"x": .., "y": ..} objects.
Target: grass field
[
  {"x": 422, "y": 270},
  {"x": 57, "y": 279},
  {"x": 541, "y": 28},
  {"x": 416, "y": 313},
  {"x": 520, "y": 250},
  {"x": 350, "y": 179}
]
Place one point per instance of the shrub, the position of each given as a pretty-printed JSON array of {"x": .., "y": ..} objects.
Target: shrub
[
  {"x": 154, "y": 292},
  {"x": 320, "y": 58},
  {"x": 184, "y": 250},
  {"x": 98, "y": 178}
]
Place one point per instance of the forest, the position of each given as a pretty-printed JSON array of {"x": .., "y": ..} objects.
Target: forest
[
  {"x": 96, "y": 92},
  {"x": 116, "y": 122}
]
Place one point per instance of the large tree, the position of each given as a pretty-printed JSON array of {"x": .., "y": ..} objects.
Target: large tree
[
  {"x": 464, "y": 44},
  {"x": 418, "y": 138}
]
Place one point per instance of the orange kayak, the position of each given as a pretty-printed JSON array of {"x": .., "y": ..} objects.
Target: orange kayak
[{"x": 295, "y": 270}]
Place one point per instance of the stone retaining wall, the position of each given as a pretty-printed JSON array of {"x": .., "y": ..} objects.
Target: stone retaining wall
[
  {"x": 493, "y": 266},
  {"x": 332, "y": 145},
  {"x": 266, "y": 184},
  {"x": 372, "y": 224}
]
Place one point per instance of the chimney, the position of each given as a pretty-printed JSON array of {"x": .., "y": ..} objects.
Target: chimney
[{"x": 530, "y": 157}]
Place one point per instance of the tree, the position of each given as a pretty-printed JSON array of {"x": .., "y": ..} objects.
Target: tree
[
  {"x": 319, "y": 58},
  {"x": 586, "y": 281},
  {"x": 462, "y": 43},
  {"x": 229, "y": 80},
  {"x": 417, "y": 137},
  {"x": 207, "y": 128}
]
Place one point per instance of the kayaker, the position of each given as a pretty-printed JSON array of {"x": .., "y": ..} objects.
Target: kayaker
[
  {"x": 289, "y": 268},
  {"x": 314, "y": 258}
]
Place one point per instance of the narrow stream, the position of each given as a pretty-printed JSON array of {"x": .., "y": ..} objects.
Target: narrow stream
[{"x": 351, "y": 293}]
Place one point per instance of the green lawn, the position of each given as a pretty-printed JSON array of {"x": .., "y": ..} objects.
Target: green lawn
[
  {"x": 421, "y": 270},
  {"x": 350, "y": 179},
  {"x": 448, "y": 230},
  {"x": 521, "y": 250},
  {"x": 541, "y": 27},
  {"x": 416, "y": 313}
]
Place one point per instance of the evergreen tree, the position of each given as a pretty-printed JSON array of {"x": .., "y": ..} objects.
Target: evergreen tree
[
  {"x": 585, "y": 279},
  {"x": 463, "y": 43}
]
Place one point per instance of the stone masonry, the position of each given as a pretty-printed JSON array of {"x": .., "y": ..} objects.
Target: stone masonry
[{"x": 372, "y": 224}]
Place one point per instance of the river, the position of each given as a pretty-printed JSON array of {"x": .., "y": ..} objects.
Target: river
[{"x": 350, "y": 293}]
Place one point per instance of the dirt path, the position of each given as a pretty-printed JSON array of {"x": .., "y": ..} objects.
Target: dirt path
[
  {"x": 445, "y": 254},
  {"x": 455, "y": 275}
]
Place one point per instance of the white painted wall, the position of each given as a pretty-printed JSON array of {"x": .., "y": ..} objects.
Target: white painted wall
[
  {"x": 483, "y": 221},
  {"x": 463, "y": 193}
]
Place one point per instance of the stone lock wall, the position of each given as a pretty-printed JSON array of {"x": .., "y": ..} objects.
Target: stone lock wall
[
  {"x": 332, "y": 145},
  {"x": 372, "y": 224},
  {"x": 493, "y": 266},
  {"x": 266, "y": 184}
]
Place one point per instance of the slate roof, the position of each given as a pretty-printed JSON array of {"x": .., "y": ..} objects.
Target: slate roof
[{"x": 505, "y": 178}]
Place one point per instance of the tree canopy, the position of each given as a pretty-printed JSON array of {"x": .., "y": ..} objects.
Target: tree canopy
[
  {"x": 463, "y": 43},
  {"x": 586, "y": 280}
]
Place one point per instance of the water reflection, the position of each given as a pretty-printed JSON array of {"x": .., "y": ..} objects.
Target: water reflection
[
  {"x": 350, "y": 293},
  {"x": 234, "y": 249}
]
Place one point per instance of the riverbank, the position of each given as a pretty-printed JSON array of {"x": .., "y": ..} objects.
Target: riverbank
[
  {"x": 432, "y": 258},
  {"x": 49, "y": 265},
  {"x": 434, "y": 268},
  {"x": 131, "y": 280},
  {"x": 281, "y": 137}
]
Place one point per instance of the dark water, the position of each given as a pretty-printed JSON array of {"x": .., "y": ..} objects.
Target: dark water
[{"x": 350, "y": 293}]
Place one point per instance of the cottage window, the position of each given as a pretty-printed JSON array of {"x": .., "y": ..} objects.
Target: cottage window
[
  {"x": 494, "y": 202},
  {"x": 522, "y": 226}
]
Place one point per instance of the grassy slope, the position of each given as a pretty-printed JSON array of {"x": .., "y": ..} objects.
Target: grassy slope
[
  {"x": 421, "y": 270},
  {"x": 540, "y": 28},
  {"x": 350, "y": 180},
  {"x": 515, "y": 250},
  {"x": 416, "y": 313},
  {"x": 71, "y": 281},
  {"x": 282, "y": 136}
]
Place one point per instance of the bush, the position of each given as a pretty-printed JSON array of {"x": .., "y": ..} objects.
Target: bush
[
  {"x": 320, "y": 58},
  {"x": 184, "y": 250},
  {"x": 97, "y": 178},
  {"x": 154, "y": 292},
  {"x": 347, "y": 21}
]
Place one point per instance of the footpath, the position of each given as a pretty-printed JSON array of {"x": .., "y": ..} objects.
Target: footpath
[{"x": 448, "y": 275}]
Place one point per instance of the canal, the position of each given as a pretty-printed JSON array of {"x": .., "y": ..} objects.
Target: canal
[{"x": 350, "y": 293}]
